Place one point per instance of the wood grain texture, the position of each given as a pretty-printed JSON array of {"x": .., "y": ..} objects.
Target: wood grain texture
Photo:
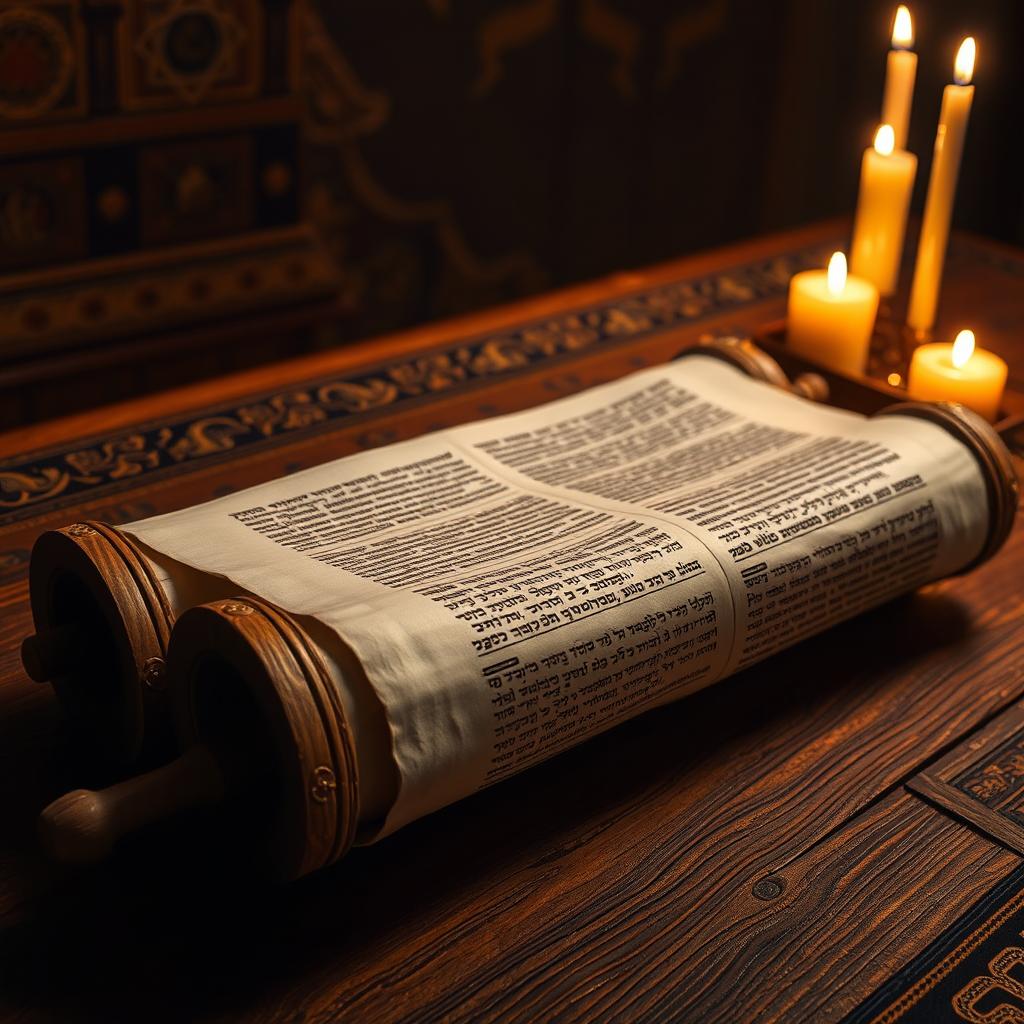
[
  {"x": 980, "y": 780},
  {"x": 956, "y": 803},
  {"x": 614, "y": 882}
]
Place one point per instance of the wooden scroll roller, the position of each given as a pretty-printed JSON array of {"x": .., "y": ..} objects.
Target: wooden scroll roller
[
  {"x": 1002, "y": 486},
  {"x": 103, "y": 617},
  {"x": 755, "y": 362},
  {"x": 258, "y": 713},
  {"x": 102, "y": 623}
]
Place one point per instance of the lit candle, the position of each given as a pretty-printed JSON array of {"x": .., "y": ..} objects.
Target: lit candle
[
  {"x": 900, "y": 71},
  {"x": 958, "y": 373},
  {"x": 886, "y": 184},
  {"x": 831, "y": 316},
  {"x": 938, "y": 207}
]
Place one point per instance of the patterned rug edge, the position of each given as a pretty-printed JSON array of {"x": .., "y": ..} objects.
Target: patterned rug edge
[{"x": 969, "y": 964}]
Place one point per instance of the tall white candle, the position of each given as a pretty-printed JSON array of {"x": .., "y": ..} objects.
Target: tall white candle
[
  {"x": 900, "y": 71},
  {"x": 886, "y": 184},
  {"x": 938, "y": 207}
]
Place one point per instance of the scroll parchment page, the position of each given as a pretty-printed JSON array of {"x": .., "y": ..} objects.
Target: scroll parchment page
[{"x": 516, "y": 585}]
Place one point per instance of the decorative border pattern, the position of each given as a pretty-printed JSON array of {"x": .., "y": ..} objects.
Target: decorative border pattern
[
  {"x": 59, "y": 23},
  {"x": 997, "y": 778},
  {"x": 44, "y": 480},
  {"x": 964, "y": 965},
  {"x": 148, "y": 75},
  {"x": 176, "y": 288}
]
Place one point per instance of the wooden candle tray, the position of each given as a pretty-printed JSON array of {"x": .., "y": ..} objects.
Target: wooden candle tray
[{"x": 890, "y": 352}]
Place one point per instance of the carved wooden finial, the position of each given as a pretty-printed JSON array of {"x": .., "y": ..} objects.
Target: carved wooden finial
[
  {"x": 76, "y": 828},
  {"x": 54, "y": 652},
  {"x": 82, "y": 827},
  {"x": 755, "y": 362},
  {"x": 812, "y": 386}
]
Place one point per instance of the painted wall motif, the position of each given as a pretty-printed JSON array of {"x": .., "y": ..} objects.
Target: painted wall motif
[{"x": 463, "y": 154}]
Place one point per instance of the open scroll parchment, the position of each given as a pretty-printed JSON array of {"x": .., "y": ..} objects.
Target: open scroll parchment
[{"x": 502, "y": 590}]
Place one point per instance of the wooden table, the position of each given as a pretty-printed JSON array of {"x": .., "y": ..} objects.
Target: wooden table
[{"x": 753, "y": 852}]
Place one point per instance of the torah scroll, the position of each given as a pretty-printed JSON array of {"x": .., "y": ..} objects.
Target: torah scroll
[{"x": 490, "y": 595}]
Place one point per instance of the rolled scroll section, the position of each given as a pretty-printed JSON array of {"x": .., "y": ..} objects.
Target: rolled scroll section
[
  {"x": 102, "y": 625},
  {"x": 1002, "y": 487}
]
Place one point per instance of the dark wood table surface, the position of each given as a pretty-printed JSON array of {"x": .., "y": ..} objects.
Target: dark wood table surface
[{"x": 751, "y": 853}]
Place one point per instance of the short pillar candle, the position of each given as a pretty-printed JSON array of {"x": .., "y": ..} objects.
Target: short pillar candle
[
  {"x": 831, "y": 317},
  {"x": 941, "y": 372}
]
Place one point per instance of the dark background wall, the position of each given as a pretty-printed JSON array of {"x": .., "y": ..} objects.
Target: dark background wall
[
  {"x": 156, "y": 200},
  {"x": 463, "y": 153}
]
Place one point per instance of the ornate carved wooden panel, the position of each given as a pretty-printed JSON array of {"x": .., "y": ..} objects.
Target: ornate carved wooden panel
[{"x": 981, "y": 781}]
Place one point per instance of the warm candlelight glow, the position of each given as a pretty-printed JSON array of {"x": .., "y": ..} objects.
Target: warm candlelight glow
[
  {"x": 954, "y": 116},
  {"x": 830, "y": 316},
  {"x": 883, "y": 200},
  {"x": 963, "y": 349},
  {"x": 963, "y": 66},
  {"x": 898, "y": 95},
  {"x": 941, "y": 372},
  {"x": 837, "y": 273},
  {"x": 895, "y": 380},
  {"x": 902, "y": 29},
  {"x": 885, "y": 140}
]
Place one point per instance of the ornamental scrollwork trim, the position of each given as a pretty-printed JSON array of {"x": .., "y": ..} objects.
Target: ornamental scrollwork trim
[{"x": 32, "y": 483}]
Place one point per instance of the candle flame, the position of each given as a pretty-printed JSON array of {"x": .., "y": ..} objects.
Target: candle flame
[
  {"x": 963, "y": 66},
  {"x": 837, "y": 273},
  {"x": 902, "y": 29},
  {"x": 885, "y": 140},
  {"x": 963, "y": 349}
]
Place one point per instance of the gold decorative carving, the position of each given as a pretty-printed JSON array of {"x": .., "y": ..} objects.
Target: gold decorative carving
[
  {"x": 174, "y": 285},
  {"x": 44, "y": 476},
  {"x": 113, "y": 460},
  {"x": 324, "y": 784},
  {"x": 236, "y": 608},
  {"x": 359, "y": 396},
  {"x": 202, "y": 437},
  {"x": 994, "y": 988},
  {"x": 190, "y": 51},
  {"x": 15, "y": 21},
  {"x": 291, "y": 411},
  {"x": 154, "y": 673},
  {"x": 999, "y": 775},
  {"x": 18, "y": 488},
  {"x": 79, "y": 530}
]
